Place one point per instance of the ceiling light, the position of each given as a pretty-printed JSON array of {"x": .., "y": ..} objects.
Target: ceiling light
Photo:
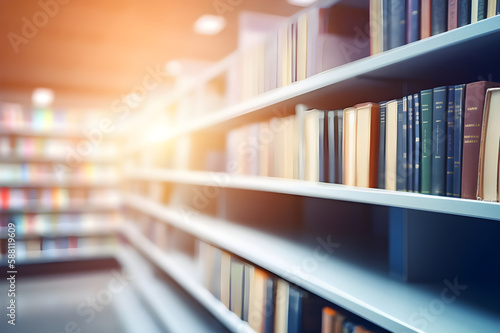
[
  {"x": 209, "y": 24},
  {"x": 301, "y": 3},
  {"x": 42, "y": 97}
]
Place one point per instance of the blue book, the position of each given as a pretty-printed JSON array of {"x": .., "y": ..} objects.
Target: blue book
[
  {"x": 385, "y": 25},
  {"x": 458, "y": 127},
  {"x": 413, "y": 21},
  {"x": 416, "y": 142},
  {"x": 334, "y": 129},
  {"x": 269, "y": 310},
  {"x": 450, "y": 148},
  {"x": 402, "y": 146},
  {"x": 381, "y": 147},
  {"x": 410, "y": 141},
  {"x": 439, "y": 117},
  {"x": 464, "y": 12},
  {"x": 439, "y": 16},
  {"x": 498, "y": 7},
  {"x": 482, "y": 8},
  {"x": 397, "y": 23},
  {"x": 294, "y": 310},
  {"x": 348, "y": 327}
]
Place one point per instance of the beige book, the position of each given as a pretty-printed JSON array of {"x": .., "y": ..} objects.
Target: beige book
[
  {"x": 225, "y": 270},
  {"x": 257, "y": 301},
  {"x": 391, "y": 139},
  {"x": 375, "y": 27},
  {"x": 265, "y": 137},
  {"x": 302, "y": 47},
  {"x": 311, "y": 144},
  {"x": 288, "y": 146},
  {"x": 349, "y": 167},
  {"x": 492, "y": 8},
  {"x": 367, "y": 138},
  {"x": 474, "y": 8},
  {"x": 489, "y": 149},
  {"x": 236, "y": 305},
  {"x": 281, "y": 316}
]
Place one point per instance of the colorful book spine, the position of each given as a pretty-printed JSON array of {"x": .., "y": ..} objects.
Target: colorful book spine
[
  {"x": 425, "y": 19},
  {"x": 381, "y": 147},
  {"x": 439, "y": 14},
  {"x": 411, "y": 140},
  {"x": 416, "y": 147},
  {"x": 413, "y": 21},
  {"x": 458, "y": 127},
  {"x": 450, "y": 142},
  {"x": 426, "y": 139},
  {"x": 397, "y": 24},
  {"x": 452, "y": 14},
  {"x": 402, "y": 146},
  {"x": 439, "y": 117},
  {"x": 464, "y": 12}
]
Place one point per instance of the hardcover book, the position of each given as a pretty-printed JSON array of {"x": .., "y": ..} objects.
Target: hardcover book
[
  {"x": 439, "y": 117},
  {"x": 402, "y": 146},
  {"x": 426, "y": 106},
  {"x": 439, "y": 13},
  {"x": 381, "y": 147},
  {"x": 391, "y": 139},
  {"x": 416, "y": 148},
  {"x": 458, "y": 126},
  {"x": 397, "y": 23},
  {"x": 413, "y": 21},
  {"x": 367, "y": 141},
  {"x": 450, "y": 141},
  {"x": 411, "y": 143}
]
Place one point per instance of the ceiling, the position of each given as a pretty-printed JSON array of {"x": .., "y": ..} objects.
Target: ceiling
[{"x": 103, "y": 47}]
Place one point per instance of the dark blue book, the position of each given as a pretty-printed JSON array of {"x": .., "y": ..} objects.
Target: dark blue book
[
  {"x": 402, "y": 146},
  {"x": 348, "y": 327},
  {"x": 334, "y": 146},
  {"x": 464, "y": 12},
  {"x": 294, "y": 310},
  {"x": 381, "y": 147},
  {"x": 411, "y": 141},
  {"x": 450, "y": 146},
  {"x": 413, "y": 21},
  {"x": 416, "y": 142},
  {"x": 482, "y": 8},
  {"x": 439, "y": 117},
  {"x": 269, "y": 310},
  {"x": 385, "y": 24},
  {"x": 439, "y": 16},
  {"x": 397, "y": 23},
  {"x": 498, "y": 7},
  {"x": 458, "y": 127}
]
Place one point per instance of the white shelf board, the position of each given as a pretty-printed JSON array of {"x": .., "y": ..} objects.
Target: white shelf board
[
  {"x": 186, "y": 281},
  {"x": 431, "y": 203},
  {"x": 91, "y": 232},
  {"x": 374, "y": 296}
]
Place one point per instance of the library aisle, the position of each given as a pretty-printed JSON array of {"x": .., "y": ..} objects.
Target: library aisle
[{"x": 283, "y": 166}]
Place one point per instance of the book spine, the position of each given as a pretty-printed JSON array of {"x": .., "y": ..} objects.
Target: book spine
[
  {"x": 331, "y": 147},
  {"x": 425, "y": 19},
  {"x": 413, "y": 21},
  {"x": 439, "y": 116},
  {"x": 450, "y": 143},
  {"x": 402, "y": 143},
  {"x": 426, "y": 139},
  {"x": 458, "y": 126},
  {"x": 322, "y": 158},
  {"x": 295, "y": 311},
  {"x": 481, "y": 10},
  {"x": 385, "y": 25},
  {"x": 452, "y": 14},
  {"x": 381, "y": 147},
  {"x": 397, "y": 17},
  {"x": 416, "y": 147},
  {"x": 498, "y": 7},
  {"x": 340, "y": 145},
  {"x": 464, "y": 12},
  {"x": 439, "y": 14},
  {"x": 492, "y": 8},
  {"x": 410, "y": 141},
  {"x": 269, "y": 310},
  {"x": 474, "y": 7}
]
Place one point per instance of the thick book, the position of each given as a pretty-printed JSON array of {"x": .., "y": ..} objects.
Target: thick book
[
  {"x": 425, "y": 19},
  {"x": 439, "y": 14},
  {"x": 413, "y": 21},
  {"x": 458, "y": 127},
  {"x": 335, "y": 124},
  {"x": 391, "y": 139},
  {"x": 349, "y": 147},
  {"x": 402, "y": 146},
  {"x": 464, "y": 12},
  {"x": 381, "y": 147},
  {"x": 312, "y": 162},
  {"x": 416, "y": 143},
  {"x": 473, "y": 122},
  {"x": 492, "y": 8},
  {"x": 397, "y": 23},
  {"x": 260, "y": 314},
  {"x": 367, "y": 141},
  {"x": 411, "y": 143},
  {"x": 439, "y": 117},
  {"x": 490, "y": 147},
  {"x": 426, "y": 106},
  {"x": 450, "y": 142},
  {"x": 452, "y": 14}
]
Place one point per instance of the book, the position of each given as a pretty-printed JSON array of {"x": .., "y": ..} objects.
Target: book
[
  {"x": 281, "y": 311},
  {"x": 439, "y": 126},
  {"x": 413, "y": 21},
  {"x": 473, "y": 121},
  {"x": 426, "y": 106},
  {"x": 349, "y": 147},
  {"x": 376, "y": 37},
  {"x": 397, "y": 23},
  {"x": 490, "y": 147},
  {"x": 335, "y": 124},
  {"x": 225, "y": 279},
  {"x": 478, "y": 10},
  {"x": 464, "y": 12},
  {"x": 385, "y": 25},
  {"x": 411, "y": 143},
  {"x": 452, "y": 14},
  {"x": 322, "y": 147},
  {"x": 236, "y": 287},
  {"x": 439, "y": 13},
  {"x": 367, "y": 141},
  {"x": 294, "y": 310},
  {"x": 331, "y": 320},
  {"x": 491, "y": 8},
  {"x": 312, "y": 163},
  {"x": 391, "y": 139},
  {"x": 416, "y": 147},
  {"x": 458, "y": 126},
  {"x": 425, "y": 19},
  {"x": 450, "y": 142},
  {"x": 402, "y": 146},
  {"x": 381, "y": 147},
  {"x": 261, "y": 311}
]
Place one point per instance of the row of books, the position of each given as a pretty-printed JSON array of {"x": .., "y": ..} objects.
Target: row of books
[
  {"x": 49, "y": 148},
  {"x": 56, "y": 198},
  {"x": 51, "y": 247},
  {"x": 441, "y": 141},
  {"x": 269, "y": 303},
  {"x": 397, "y": 22},
  {"x": 35, "y": 224},
  {"x": 43, "y": 172},
  {"x": 14, "y": 117}
]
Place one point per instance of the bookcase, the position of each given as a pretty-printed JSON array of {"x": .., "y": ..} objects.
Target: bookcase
[
  {"x": 59, "y": 201},
  {"x": 404, "y": 262}
]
